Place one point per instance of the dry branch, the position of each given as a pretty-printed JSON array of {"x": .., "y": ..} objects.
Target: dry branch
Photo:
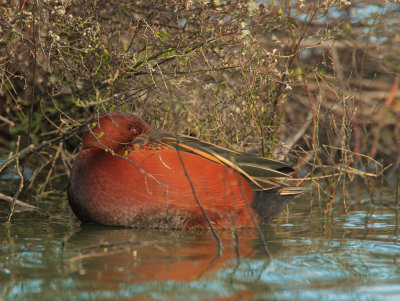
[
  {"x": 34, "y": 149},
  {"x": 17, "y": 202}
]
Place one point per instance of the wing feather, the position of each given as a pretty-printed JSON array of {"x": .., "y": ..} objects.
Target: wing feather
[{"x": 262, "y": 173}]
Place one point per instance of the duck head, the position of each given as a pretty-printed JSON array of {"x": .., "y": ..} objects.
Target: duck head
[{"x": 113, "y": 131}]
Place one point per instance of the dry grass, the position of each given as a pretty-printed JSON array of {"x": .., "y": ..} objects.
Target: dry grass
[{"x": 311, "y": 83}]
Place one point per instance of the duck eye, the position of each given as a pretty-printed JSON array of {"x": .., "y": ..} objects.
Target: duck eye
[{"x": 133, "y": 131}]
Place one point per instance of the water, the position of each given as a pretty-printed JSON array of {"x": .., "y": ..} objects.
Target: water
[{"x": 49, "y": 255}]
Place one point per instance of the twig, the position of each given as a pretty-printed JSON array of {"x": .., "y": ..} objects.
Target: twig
[
  {"x": 398, "y": 186},
  {"x": 21, "y": 185},
  {"x": 5, "y": 120},
  {"x": 61, "y": 112},
  {"x": 292, "y": 140},
  {"x": 34, "y": 6},
  {"x": 291, "y": 59},
  {"x": 203, "y": 211},
  {"x": 32, "y": 148},
  {"x": 17, "y": 202},
  {"x": 53, "y": 163},
  {"x": 48, "y": 119}
]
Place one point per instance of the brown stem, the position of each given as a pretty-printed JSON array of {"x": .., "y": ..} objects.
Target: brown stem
[
  {"x": 203, "y": 211},
  {"x": 21, "y": 185}
]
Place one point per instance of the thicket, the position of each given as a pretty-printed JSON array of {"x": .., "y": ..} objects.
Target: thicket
[{"x": 312, "y": 82}]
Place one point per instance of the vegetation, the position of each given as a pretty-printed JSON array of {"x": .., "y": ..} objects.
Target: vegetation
[{"x": 312, "y": 82}]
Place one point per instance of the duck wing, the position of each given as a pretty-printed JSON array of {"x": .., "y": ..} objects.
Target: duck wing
[{"x": 262, "y": 173}]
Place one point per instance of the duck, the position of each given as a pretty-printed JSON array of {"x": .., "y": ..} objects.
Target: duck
[{"x": 128, "y": 175}]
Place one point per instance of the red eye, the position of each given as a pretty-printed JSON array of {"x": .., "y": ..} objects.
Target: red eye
[{"x": 133, "y": 131}]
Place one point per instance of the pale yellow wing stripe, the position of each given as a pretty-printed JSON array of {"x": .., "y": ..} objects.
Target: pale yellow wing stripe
[
  {"x": 237, "y": 168},
  {"x": 271, "y": 181},
  {"x": 292, "y": 190},
  {"x": 263, "y": 167},
  {"x": 199, "y": 152},
  {"x": 218, "y": 159}
]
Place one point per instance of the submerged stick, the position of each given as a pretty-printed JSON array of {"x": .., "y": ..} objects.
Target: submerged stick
[{"x": 9, "y": 199}]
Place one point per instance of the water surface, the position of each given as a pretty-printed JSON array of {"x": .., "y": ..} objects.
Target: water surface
[{"x": 350, "y": 255}]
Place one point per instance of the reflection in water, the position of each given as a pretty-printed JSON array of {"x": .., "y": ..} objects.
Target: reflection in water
[
  {"x": 349, "y": 256},
  {"x": 182, "y": 260},
  {"x": 156, "y": 255}
]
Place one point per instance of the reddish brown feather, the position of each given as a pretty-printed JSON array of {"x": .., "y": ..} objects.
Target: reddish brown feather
[{"x": 148, "y": 181}]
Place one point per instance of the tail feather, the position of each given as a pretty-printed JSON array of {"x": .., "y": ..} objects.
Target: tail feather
[
  {"x": 292, "y": 190},
  {"x": 269, "y": 203}
]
